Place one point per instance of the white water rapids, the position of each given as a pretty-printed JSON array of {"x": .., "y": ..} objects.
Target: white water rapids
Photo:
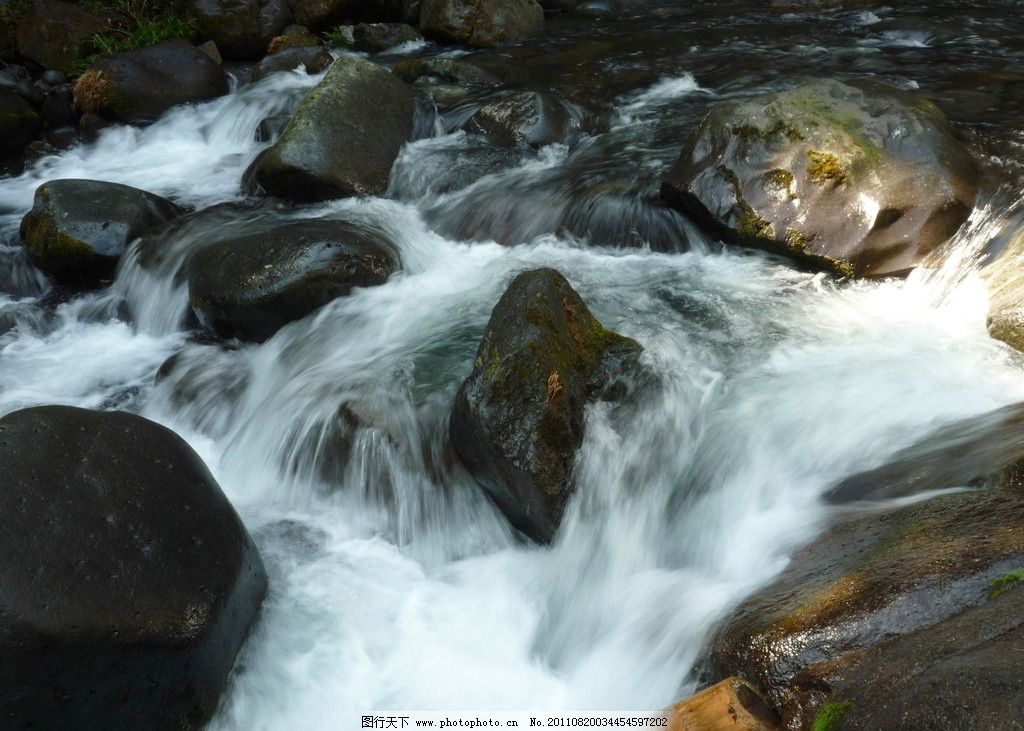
[{"x": 397, "y": 590}]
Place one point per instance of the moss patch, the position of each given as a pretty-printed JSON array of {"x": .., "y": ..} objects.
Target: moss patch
[
  {"x": 824, "y": 167},
  {"x": 830, "y": 715},
  {"x": 1005, "y": 582},
  {"x": 751, "y": 225}
]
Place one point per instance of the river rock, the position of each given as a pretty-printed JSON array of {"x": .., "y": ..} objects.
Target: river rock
[
  {"x": 139, "y": 86},
  {"x": 864, "y": 583},
  {"x": 321, "y": 13},
  {"x": 448, "y": 70},
  {"x": 250, "y": 287},
  {"x": 19, "y": 123},
  {"x": 77, "y": 230},
  {"x": 313, "y": 59},
  {"x": 240, "y": 28},
  {"x": 1004, "y": 278},
  {"x": 55, "y": 34},
  {"x": 518, "y": 419},
  {"x": 376, "y": 37},
  {"x": 481, "y": 22},
  {"x": 731, "y": 705},
  {"x": 343, "y": 138},
  {"x": 856, "y": 178},
  {"x": 524, "y": 119},
  {"x": 129, "y": 581},
  {"x": 963, "y": 673}
]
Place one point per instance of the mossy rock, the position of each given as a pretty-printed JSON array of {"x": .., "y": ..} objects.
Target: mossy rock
[
  {"x": 376, "y": 37},
  {"x": 343, "y": 138},
  {"x": 524, "y": 119},
  {"x": 314, "y": 59},
  {"x": 518, "y": 419},
  {"x": 481, "y": 22},
  {"x": 448, "y": 70},
  {"x": 855, "y": 178},
  {"x": 77, "y": 230}
]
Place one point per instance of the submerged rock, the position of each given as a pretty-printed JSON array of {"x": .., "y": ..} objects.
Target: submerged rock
[
  {"x": 139, "y": 86},
  {"x": 857, "y": 178},
  {"x": 518, "y": 419},
  {"x": 77, "y": 230},
  {"x": 19, "y": 123},
  {"x": 525, "y": 119},
  {"x": 56, "y": 34},
  {"x": 343, "y": 138},
  {"x": 249, "y": 287},
  {"x": 240, "y": 28},
  {"x": 130, "y": 583},
  {"x": 313, "y": 58},
  {"x": 448, "y": 70},
  {"x": 481, "y": 22}
]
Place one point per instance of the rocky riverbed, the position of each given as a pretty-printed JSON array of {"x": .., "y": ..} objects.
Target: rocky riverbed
[{"x": 359, "y": 356}]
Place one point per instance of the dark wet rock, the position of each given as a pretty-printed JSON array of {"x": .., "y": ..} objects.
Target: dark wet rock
[
  {"x": 313, "y": 58},
  {"x": 980, "y": 450},
  {"x": 525, "y": 119},
  {"x": 963, "y": 673},
  {"x": 141, "y": 627},
  {"x": 857, "y": 178},
  {"x": 481, "y": 22},
  {"x": 19, "y": 123},
  {"x": 269, "y": 128},
  {"x": 317, "y": 14},
  {"x": 139, "y": 86},
  {"x": 211, "y": 50},
  {"x": 863, "y": 583},
  {"x": 343, "y": 138},
  {"x": 30, "y": 92},
  {"x": 240, "y": 28},
  {"x": 252, "y": 286},
  {"x": 518, "y": 419},
  {"x": 7, "y": 80},
  {"x": 77, "y": 230},
  {"x": 449, "y": 70},
  {"x": 55, "y": 34},
  {"x": 62, "y": 137},
  {"x": 376, "y": 37},
  {"x": 57, "y": 107},
  {"x": 90, "y": 125}
]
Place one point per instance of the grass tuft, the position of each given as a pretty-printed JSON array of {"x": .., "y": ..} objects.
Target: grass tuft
[
  {"x": 146, "y": 23},
  {"x": 830, "y": 715},
  {"x": 1005, "y": 582}
]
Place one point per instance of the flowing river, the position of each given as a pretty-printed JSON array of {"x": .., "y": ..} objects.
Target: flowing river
[{"x": 394, "y": 582}]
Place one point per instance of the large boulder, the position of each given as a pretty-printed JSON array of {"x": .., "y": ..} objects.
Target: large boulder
[
  {"x": 518, "y": 419},
  {"x": 249, "y": 287},
  {"x": 19, "y": 123},
  {"x": 857, "y": 178},
  {"x": 322, "y": 13},
  {"x": 450, "y": 70},
  {"x": 139, "y": 86},
  {"x": 524, "y": 119},
  {"x": 1005, "y": 280},
  {"x": 853, "y": 601},
  {"x": 481, "y": 22},
  {"x": 343, "y": 138},
  {"x": 129, "y": 581},
  {"x": 77, "y": 230},
  {"x": 56, "y": 34},
  {"x": 240, "y": 28}
]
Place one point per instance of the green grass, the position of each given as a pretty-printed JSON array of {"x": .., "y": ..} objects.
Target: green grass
[
  {"x": 146, "y": 24},
  {"x": 1005, "y": 582},
  {"x": 830, "y": 715}
]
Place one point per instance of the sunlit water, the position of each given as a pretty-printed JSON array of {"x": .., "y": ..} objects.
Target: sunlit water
[{"x": 394, "y": 584}]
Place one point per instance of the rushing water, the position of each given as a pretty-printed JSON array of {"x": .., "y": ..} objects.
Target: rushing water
[{"x": 394, "y": 583}]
